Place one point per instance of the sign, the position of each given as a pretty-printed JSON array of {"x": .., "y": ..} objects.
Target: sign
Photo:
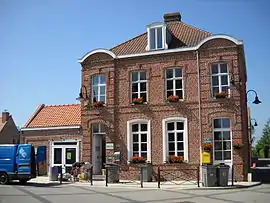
[
  {"x": 68, "y": 155},
  {"x": 206, "y": 158},
  {"x": 207, "y": 139},
  {"x": 109, "y": 146}
]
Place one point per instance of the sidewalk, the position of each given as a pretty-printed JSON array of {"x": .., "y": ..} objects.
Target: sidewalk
[{"x": 149, "y": 185}]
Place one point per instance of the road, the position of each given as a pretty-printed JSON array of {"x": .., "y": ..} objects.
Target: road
[{"x": 37, "y": 193}]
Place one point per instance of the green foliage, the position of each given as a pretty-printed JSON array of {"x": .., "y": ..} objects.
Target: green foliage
[{"x": 262, "y": 147}]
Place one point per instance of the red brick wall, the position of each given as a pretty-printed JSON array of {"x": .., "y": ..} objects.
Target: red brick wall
[
  {"x": 9, "y": 132},
  {"x": 119, "y": 110}
]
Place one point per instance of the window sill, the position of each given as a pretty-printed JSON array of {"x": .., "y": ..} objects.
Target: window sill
[
  {"x": 144, "y": 103},
  {"x": 175, "y": 102}
]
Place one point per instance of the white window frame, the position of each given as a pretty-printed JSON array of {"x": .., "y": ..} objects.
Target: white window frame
[
  {"x": 219, "y": 74},
  {"x": 174, "y": 82},
  {"x": 138, "y": 82},
  {"x": 99, "y": 85},
  {"x": 164, "y": 37},
  {"x": 220, "y": 130},
  {"x": 130, "y": 138},
  {"x": 165, "y": 136}
]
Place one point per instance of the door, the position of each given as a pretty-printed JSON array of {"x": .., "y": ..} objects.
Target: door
[
  {"x": 23, "y": 158},
  {"x": 58, "y": 157},
  {"x": 70, "y": 158},
  {"x": 97, "y": 154}
]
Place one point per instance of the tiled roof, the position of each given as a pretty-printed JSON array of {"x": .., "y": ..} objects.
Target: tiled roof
[
  {"x": 1, "y": 124},
  {"x": 55, "y": 116},
  {"x": 183, "y": 36}
]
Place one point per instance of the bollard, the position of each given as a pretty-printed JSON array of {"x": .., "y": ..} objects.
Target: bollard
[
  {"x": 232, "y": 175},
  {"x": 198, "y": 176},
  {"x": 91, "y": 175},
  {"x": 106, "y": 179},
  {"x": 61, "y": 174},
  {"x": 158, "y": 177},
  {"x": 141, "y": 177}
]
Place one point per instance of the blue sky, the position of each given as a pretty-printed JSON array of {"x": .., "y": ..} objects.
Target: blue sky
[{"x": 40, "y": 42}]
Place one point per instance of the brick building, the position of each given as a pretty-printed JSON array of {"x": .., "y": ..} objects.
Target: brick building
[
  {"x": 9, "y": 133},
  {"x": 170, "y": 58},
  {"x": 58, "y": 127}
]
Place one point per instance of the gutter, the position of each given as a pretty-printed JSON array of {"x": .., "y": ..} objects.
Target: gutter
[{"x": 52, "y": 128}]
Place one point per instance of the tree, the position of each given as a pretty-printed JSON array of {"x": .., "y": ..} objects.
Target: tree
[{"x": 263, "y": 145}]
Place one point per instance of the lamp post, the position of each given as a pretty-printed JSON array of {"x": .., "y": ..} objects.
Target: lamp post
[
  {"x": 83, "y": 97},
  {"x": 256, "y": 99},
  {"x": 251, "y": 127}
]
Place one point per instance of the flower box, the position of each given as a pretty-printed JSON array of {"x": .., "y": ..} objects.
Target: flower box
[
  {"x": 207, "y": 146},
  {"x": 237, "y": 145},
  {"x": 220, "y": 95},
  {"x": 173, "y": 98},
  {"x": 175, "y": 159},
  {"x": 98, "y": 104},
  {"x": 138, "y": 160},
  {"x": 138, "y": 100}
]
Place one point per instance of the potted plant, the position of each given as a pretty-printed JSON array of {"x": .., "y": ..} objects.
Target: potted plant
[
  {"x": 207, "y": 146},
  {"x": 173, "y": 98},
  {"x": 221, "y": 95},
  {"x": 237, "y": 145},
  {"x": 138, "y": 100},
  {"x": 98, "y": 104},
  {"x": 138, "y": 160},
  {"x": 175, "y": 159}
]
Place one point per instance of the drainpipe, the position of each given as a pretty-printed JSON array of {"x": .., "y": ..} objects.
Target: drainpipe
[{"x": 199, "y": 103}]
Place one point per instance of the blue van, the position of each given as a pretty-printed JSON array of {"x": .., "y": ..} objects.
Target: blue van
[{"x": 17, "y": 162}]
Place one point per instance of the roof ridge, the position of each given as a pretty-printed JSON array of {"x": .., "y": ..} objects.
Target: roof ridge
[
  {"x": 128, "y": 40},
  {"x": 59, "y": 105},
  {"x": 41, "y": 106}
]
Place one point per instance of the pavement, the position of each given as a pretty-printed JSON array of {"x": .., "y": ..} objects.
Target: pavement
[{"x": 53, "y": 192}]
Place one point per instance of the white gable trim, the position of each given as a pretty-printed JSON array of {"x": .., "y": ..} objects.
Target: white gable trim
[
  {"x": 97, "y": 51},
  {"x": 52, "y": 128}
]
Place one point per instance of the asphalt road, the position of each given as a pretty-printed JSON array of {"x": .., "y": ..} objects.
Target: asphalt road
[{"x": 37, "y": 193}]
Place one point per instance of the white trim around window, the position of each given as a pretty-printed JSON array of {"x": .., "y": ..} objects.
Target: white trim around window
[
  {"x": 130, "y": 138},
  {"x": 165, "y": 136}
]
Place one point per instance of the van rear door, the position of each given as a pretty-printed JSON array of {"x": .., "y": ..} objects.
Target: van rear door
[{"x": 23, "y": 158}]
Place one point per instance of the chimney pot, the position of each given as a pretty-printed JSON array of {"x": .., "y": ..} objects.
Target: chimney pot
[
  {"x": 169, "y": 17},
  {"x": 5, "y": 116}
]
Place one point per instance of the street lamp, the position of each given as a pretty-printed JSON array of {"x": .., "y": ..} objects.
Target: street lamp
[
  {"x": 81, "y": 97},
  {"x": 255, "y": 122},
  {"x": 256, "y": 99}
]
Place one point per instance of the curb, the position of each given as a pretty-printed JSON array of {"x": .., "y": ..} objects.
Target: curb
[{"x": 225, "y": 188}]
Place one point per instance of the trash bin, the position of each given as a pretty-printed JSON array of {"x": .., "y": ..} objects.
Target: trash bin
[
  {"x": 113, "y": 173},
  {"x": 209, "y": 176},
  {"x": 146, "y": 170},
  {"x": 222, "y": 175},
  {"x": 53, "y": 173}
]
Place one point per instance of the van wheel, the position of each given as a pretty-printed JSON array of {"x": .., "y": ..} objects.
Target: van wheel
[{"x": 3, "y": 178}]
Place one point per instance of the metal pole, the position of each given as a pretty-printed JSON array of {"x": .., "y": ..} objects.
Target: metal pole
[
  {"x": 61, "y": 174},
  {"x": 158, "y": 177},
  {"x": 91, "y": 175},
  {"x": 232, "y": 174},
  {"x": 141, "y": 177},
  {"x": 198, "y": 176},
  {"x": 106, "y": 179}
]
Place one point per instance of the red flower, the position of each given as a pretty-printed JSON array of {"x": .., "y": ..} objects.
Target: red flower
[{"x": 173, "y": 98}]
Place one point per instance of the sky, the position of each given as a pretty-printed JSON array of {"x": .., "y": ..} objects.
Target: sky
[{"x": 41, "y": 42}]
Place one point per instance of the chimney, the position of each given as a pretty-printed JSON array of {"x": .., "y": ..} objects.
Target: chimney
[
  {"x": 5, "y": 116},
  {"x": 170, "y": 17}
]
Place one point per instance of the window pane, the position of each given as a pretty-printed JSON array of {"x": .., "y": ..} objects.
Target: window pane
[
  {"x": 135, "y": 127},
  {"x": 169, "y": 93},
  {"x": 180, "y": 153},
  {"x": 95, "y": 80},
  {"x": 57, "y": 155},
  {"x": 169, "y": 73},
  {"x": 217, "y": 123},
  {"x": 134, "y": 95},
  {"x": 223, "y": 68},
  {"x": 143, "y": 86},
  {"x": 171, "y": 136},
  {"x": 214, "y": 69},
  {"x": 171, "y": 146},
  {"x": 178, "y": 72},
  {"x": 95, "y": 128},
  {"x": 170, "y": 126},
  {"x": 142, "y": 75},
  {"x": 226, "y": 135},
  {"x": 218, "y": 155},
  {"x": 172, "y": 153},
  {"x": 178, "y": 84},
  {"x": 144, "y": 147},
  {"x": 102, "y": 89},
  {"x": 217, "y": 136},
  {"x": 135, "y": 76},
  {"x": 70, "y": 155},
  {"x": 102, "y": 98},
  {"x": 180, "y": 146},
  {"x": 179, "y": 93},
  {"x": 135, "y": 138},
  {"x": 180, "y": 136},
  {"x": 227, "y": 145},
  {"x": 159, "y": 38},
  {"x": 102, "y": 79},
  {"x": 152, "y": 39},
  {"x": 143, "y": 95},
  {"x": 134, "y": 87},
  {"x": 143, "y": 127},
  {"x": 169, "y": 84},
  {"x": 227, "y": 155},
  {"x": 95, "y": 91},
  {"x": 226, "y": 123},
  {"x": 144, "y": 154},
  {"x": 218, "y": 145},
  {"x": 136, "y": 147},
  {"x": 224, "y": 80},
  {"x": 143, "y": 137},
  {"x": 224, "y": 89},
  {"x": 214, "y": 80},
  {"x": 180, "y": 125},
  {"x": 135, "y": 153},
  {"x": 215, "y": 90},
  {"x": 102, "y": 128}
]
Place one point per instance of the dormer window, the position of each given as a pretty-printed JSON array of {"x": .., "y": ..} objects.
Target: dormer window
[{"x": 158, "y": 37}]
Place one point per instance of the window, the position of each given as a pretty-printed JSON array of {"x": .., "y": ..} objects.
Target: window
[
  {"x": 175, "y": 139},
  {"x": 138, "y": 139},
  {"x": 220, "y": 78},
  {"x": 156, "y": 38},
  {"x": 99, "y": 88},
  {"x": 139, "y": 85},
  {"x": 222, "y": 139},
  {"x": 98, "y": 128},
  {"x": 174, "y": 82}
]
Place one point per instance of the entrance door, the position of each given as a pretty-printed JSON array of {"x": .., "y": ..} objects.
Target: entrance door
[
  {"x": 97, "y": 154},
  {"x": 57, "y": 156}
]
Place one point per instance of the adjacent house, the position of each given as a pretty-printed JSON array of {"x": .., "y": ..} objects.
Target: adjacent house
[
  {"x": 165, "y": 93},
  {"x": 58, "y": 127},
  {"x": 9, "y": 133}
]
